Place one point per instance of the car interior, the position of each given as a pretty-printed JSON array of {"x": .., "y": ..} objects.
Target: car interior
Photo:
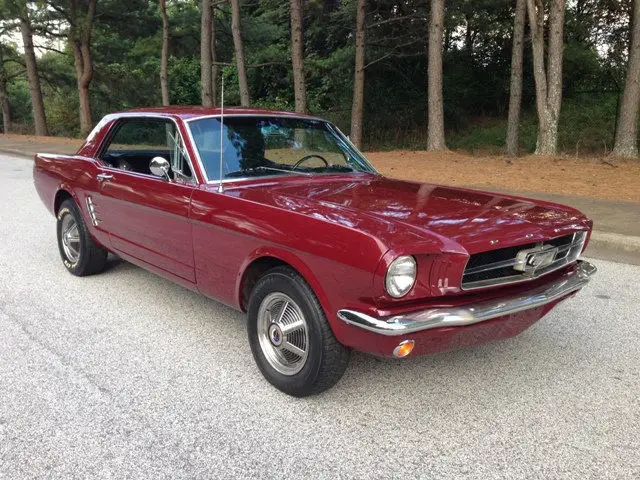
[{"x": 139, "y": 160}]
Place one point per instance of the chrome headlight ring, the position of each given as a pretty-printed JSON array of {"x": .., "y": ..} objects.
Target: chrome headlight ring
[{"x": 401, "y": 276}]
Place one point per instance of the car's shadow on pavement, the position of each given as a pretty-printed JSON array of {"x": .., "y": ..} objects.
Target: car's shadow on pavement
[{"x": 474, "y": 374}]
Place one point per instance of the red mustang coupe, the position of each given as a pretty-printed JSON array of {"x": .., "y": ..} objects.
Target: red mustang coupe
[{"x": 279, "y": 215}]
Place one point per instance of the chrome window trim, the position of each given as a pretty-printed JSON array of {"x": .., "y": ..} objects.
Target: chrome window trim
[
  {"x": 207, "y": 181},
  {"x": 266, "y": 114},
  {"x": 131, "y": 116},
  {"x": 574, "y": 248}
]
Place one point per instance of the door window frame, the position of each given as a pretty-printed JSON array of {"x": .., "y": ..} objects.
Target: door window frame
[{"x": 115, "y": 127}]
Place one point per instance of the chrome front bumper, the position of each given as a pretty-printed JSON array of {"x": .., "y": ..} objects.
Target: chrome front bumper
[{"x": 475, "y": 312}]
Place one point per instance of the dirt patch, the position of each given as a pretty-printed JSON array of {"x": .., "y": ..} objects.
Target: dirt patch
[
  {"x": 35, "y": 140},
  {"x": 604, "y": 178},
  {"x": 29, "y": 144}
]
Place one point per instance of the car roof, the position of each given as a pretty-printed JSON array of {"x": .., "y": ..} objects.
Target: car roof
[{"x": 187, "y": 112}]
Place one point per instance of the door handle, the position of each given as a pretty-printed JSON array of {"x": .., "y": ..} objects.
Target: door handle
[{"x": 102, "y": 177}]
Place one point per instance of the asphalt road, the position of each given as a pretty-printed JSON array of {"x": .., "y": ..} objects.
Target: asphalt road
[{"x": 124, "y": 374}]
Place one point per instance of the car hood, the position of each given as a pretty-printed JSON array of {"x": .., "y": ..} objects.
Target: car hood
[{"x": 475, "y": 220}]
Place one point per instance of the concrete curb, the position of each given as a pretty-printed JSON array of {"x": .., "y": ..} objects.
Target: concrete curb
[
  {"x": 17, "y": 153},
  {"x": 616, "y": 241}
]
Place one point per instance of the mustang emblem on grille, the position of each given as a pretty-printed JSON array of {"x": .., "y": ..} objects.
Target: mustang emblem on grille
[{"x": 533, "y": 259}]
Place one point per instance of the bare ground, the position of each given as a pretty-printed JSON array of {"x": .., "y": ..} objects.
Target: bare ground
[{"x": 598, "y": 177}]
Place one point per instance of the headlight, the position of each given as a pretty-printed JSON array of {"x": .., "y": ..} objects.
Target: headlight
[{"x": 401, "y": 276}]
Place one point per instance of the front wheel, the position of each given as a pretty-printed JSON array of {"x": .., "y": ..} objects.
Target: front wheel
[{"x": 290, "y": 338}]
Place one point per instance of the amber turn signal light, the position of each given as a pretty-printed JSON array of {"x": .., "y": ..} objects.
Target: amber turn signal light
[{"x": 404, "y": 348}]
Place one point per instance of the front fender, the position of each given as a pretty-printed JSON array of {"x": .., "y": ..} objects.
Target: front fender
[{"x": 290, "y": 258}]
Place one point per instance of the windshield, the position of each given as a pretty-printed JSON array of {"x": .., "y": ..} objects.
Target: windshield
[{"x": 265, "y": 145}]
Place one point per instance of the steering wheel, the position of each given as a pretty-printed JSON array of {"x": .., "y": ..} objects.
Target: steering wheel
[{"x": 309, "y": 157}]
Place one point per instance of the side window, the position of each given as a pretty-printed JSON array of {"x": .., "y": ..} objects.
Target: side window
[{"x": 136, "y": 141}]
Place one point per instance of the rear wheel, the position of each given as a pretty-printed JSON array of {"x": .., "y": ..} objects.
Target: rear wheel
[
  {"x": 290, "y": 338},
  {"x": 80, "y": 254}
]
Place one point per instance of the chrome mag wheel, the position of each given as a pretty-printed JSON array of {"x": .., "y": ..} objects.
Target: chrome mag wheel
[
  {"x": 70, "y": 238},
  {"x": 283, "y": 333}
]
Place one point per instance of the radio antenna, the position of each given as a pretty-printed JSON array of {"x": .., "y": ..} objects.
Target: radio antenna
[{"x": 220, "y": 187}]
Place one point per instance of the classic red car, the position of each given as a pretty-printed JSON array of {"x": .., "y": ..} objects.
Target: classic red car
[{"x": 323, "y": 253}]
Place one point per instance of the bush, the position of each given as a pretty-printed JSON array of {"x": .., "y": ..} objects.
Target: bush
[
  {"x": 62, "y": 109},
  {"x": 587, "y": 125}
]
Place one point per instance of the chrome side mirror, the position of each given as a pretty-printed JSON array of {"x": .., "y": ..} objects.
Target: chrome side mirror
[{"x": 160, "y": 167}]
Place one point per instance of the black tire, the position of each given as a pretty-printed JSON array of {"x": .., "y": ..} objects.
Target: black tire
[
  {"x": 92, "y": 258},
  {"x": 326, "y": 359}
]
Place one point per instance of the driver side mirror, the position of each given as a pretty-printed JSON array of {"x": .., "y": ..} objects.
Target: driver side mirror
[{"x": 160, "y": 167}]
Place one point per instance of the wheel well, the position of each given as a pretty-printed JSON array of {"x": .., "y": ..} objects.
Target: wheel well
[
  {"x": 61, "y": 196},
  {"x": 253, "y": 272}
]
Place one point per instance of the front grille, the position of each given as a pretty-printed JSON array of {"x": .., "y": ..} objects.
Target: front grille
[{"x": 517, "y": 264}]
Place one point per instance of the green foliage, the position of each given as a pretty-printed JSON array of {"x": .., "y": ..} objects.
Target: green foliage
[
  {"x": 184, "y": 81},
  {"x": 477, "y": 56},
  {"x": 62, "y": 114},
  {"x": 20, "y": 103},
  {"x": 587, "y": 123}
]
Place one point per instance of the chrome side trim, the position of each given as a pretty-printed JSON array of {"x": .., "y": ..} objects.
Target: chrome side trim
[
  {"x": 475, "y": 312},
  {"x": 91, "y": 206}
]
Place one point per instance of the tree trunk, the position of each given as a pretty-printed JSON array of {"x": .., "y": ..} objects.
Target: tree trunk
[
  {"x": 297, "y": 57},
  {"x": 6, "y": 108},
  {"x": 626, "y": 143},
  {"x": 548, "y": 79},
  {"x": 245, "y": 100},
  {"x": 80, "y": 40},
  {"x": 214, "y": 65},
  {"x": 358, "y": 79},
  {"x": 4, "y": 99},
  {"x": 435, "y": 131},
  {"x": 206, "y": 60},
  {"x": 468, "y": 36},
  {"x": 84, "y": 74},
  {"x": 37, "y": 103},
  {"x": 515, "y": 90},
  {"x": 164, "y": 58}
]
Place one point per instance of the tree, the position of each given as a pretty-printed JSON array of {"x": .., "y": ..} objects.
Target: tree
[
  {"x": 435, "y": 129},
  {"x": 164, "y": 57},
  {"x": 626, "y": 140},
  {"x": 207, "y": 53},
  {"x": 4, "y": 95},
  {"x": 245, "y": 100},
  {"x": 297, "y": 57},
  {"x": 357, "y": 106},
  {"x": 35, "y": 90},
  {"x": 80, "y": 16},
  {"x": 476, "y": 59},
  {"x": 515, "y": 90},
  {"x": 548, "y": 79}
]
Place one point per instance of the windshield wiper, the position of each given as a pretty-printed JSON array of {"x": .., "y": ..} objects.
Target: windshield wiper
[
  {"x": 262, "y": 168},
  {"x": 274, "y": 169},
  {"x": 328, "y": 169},
  {"x": 338, "y": 168}
]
